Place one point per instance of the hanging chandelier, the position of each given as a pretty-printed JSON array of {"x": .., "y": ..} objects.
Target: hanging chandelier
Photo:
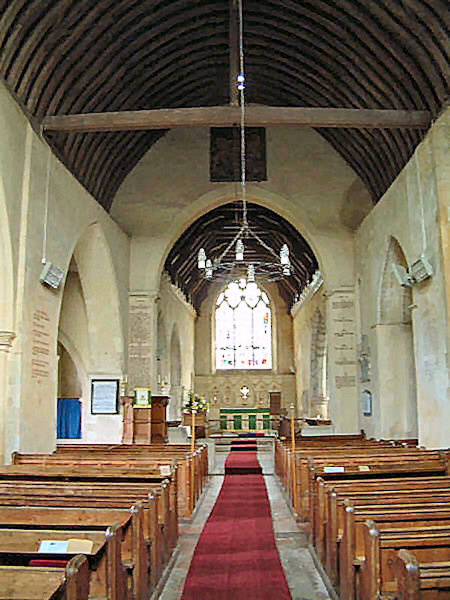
[{"x": 231, "y": 264}]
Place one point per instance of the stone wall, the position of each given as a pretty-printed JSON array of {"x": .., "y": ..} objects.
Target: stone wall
[{"x": 406, "y": 331}]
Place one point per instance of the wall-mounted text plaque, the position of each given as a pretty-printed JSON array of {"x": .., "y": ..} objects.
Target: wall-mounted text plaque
[{"x": 104, "y": 396}]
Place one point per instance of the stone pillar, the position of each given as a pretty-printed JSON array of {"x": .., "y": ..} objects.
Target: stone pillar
[
  {"x": 142, "y": 325},
  {"x": 342, "y": 367},
  {"x": 6, "y": 341}
]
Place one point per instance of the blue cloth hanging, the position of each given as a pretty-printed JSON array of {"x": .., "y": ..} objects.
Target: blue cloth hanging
[{"x": 69, "y": 419}]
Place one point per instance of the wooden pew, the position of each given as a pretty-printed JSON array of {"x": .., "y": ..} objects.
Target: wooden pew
[
  {"x": 46, "y": 583},
  {"x": 351, "y": 550},
  {"x": 431, "y": 546},
  {"x": 188, "y": 491},
  {"x": 108, "y": 578},
  {"x": 133, "y": 548},
  {"x": 329, "y": 523},
  {"x": 421, "y": 581},
  {"x": 286, "y": 462},
  {"x": 402, "y": 463}
]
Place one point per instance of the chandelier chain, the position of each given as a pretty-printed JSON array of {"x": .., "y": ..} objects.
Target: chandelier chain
[{"x": 242, "y": 96}]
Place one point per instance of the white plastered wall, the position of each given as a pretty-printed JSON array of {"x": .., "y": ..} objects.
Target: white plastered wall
[
  {"x": 31, "y": 413},
  {"x": 303, "y": 325},
  {"x": 178, "y": 318},
  {"x": 414, "y": 211}
]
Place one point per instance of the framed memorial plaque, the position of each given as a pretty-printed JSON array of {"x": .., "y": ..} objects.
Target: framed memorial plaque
[{"x": 104, "y": 396}]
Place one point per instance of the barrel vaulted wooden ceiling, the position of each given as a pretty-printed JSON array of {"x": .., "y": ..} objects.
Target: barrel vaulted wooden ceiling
[{"x": 63, "y": 57}]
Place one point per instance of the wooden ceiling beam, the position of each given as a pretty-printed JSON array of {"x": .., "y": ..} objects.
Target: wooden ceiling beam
[{"x": 229, "y": 116}]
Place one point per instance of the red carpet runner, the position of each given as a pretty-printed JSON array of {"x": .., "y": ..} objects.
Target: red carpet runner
[{"x": 236, "y": 557}]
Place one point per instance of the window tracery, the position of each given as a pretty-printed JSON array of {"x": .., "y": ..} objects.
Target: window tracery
[{"x": 243, "y": 327}]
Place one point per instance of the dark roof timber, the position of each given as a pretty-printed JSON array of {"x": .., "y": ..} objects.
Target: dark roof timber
[
  {"x": 215, "y": 230},
  {"x": 63, "y": 57}
]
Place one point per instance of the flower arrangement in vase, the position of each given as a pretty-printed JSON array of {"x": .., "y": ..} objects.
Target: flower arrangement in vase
[{"x": 195, "y": 403}]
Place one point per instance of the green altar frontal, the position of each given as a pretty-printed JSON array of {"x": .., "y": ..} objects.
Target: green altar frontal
[{"x": 244, "y": 419}]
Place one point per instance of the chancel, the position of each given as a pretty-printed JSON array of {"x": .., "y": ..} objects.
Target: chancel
[{"x": 224, "y": 299}]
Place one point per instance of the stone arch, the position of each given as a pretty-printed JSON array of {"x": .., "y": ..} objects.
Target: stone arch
[
  {"x": 162, "y": 350},
  {"x": 97, "y": 276},
  {"x": 6, "y": 272},
  {"x": 397, "y": 401},
  {"x": 318, "y": 401},
  {"x": 394, "y": 300},
  {"x": 176, "y": 390},
  {"x": 6, "y": 316},
  {"x": 299, "y": 219}
]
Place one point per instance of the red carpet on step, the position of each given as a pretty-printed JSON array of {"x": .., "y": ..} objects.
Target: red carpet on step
[{"x": 236, "y": 557}]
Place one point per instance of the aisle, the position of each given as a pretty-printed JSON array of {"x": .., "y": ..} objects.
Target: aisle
[
  {"x": 236, "y": 556},
  {"x": 302, "y": 577}
]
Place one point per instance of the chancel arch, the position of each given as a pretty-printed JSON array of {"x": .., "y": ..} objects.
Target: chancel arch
[{"x": 395, "y": 350}]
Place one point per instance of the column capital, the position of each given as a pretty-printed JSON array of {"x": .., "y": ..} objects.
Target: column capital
[
  {"x": 152, "y": 295},
  {"x": 6, "y": 340}
]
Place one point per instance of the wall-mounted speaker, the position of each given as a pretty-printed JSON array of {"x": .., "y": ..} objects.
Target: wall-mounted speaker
[{"x": 51, "y": 275}]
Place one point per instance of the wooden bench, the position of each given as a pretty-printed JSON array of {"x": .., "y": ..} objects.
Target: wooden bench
[
  {"x": 46, "y": 583},
  {"x": 188, "y": 492},
  {"x": 159, "y": 531},
  {"x": 431, "y": 547},
  {"x": 329, "y": 523},
  {"x": 134, "y": 484},
  {"x": 108, "y": 577},
  {"x": 373, "y": 466},
  {"x": 424, "y": 581},
  {"x": 351, "y": 547}
]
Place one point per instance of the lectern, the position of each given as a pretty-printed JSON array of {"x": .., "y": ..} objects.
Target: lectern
[
  {"x": 159, "y": 423},
  {"x": 145, "y": 425}
]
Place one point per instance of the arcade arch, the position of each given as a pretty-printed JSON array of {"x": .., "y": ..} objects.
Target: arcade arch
[
  {"x": 395, "y": 348},
  {"x": 176, "y": 390}
]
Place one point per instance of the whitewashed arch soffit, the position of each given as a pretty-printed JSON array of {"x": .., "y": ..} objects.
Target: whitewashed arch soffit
[
  {"x": 93, "y": 257},
  {"x": 176, "y": 365},
  {"x": 6, "y": 273},
  {"x": 389, "y": 286},
  {"x": 71, "y": 348}
]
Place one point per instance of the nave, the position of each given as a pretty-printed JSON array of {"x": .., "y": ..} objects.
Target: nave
[{"x": 302, "y": 575}]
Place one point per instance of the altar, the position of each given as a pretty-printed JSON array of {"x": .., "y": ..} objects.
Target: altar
[{"x": 244, "y": 419}]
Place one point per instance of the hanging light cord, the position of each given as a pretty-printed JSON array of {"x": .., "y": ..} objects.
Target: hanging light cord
[
  {"x": 241, "y": 87},
  {"x": 244, "y": 229}
]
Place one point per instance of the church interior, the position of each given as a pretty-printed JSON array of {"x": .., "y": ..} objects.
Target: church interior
[{"x": 224, "y": 297}]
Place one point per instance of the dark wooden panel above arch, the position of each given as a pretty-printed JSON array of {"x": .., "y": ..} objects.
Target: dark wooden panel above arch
[{"x": 217, "y": 228}]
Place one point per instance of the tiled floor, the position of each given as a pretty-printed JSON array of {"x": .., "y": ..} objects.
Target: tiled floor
[{"x": 302, "y": 576}]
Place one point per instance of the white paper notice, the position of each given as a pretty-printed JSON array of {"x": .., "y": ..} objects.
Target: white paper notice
[
  {"x": 53, "y": 546},
  {"x": 333, "y": 469},
  {"x": 165, "y": 470}
]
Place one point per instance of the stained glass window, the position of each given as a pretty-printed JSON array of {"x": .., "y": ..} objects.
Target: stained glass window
[{"x": 243, "y": 327}]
